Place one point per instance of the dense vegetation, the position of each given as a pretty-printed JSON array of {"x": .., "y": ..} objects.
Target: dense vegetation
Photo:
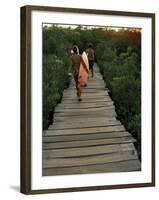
[{"x": 118, "y": 56}]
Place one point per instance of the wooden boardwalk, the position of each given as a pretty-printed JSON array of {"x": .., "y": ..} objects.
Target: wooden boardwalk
[{"x": 86, "y": 137}]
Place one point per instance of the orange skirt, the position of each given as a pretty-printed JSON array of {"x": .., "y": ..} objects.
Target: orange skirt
[{"x": 83, "y": 73}]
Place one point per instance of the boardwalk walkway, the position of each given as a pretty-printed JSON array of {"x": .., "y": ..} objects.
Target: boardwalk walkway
[{"x": 86, "y": 137}]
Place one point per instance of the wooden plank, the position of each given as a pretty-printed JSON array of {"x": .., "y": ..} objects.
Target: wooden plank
[
  {"x": 96, "y": 84},
  {"x": 121, "y": 138},
  {"x": 79, "y": 120},
  {"x": 85, "y": 110},
  {"x": 87, "y": 92},
  {"x": 85, "y": 116},
  {"x": 99, "y": 82},
  {"x": 110, "y": 108},
  {"x": 90, "y": 130},
  {"x": 105, "y": 113},
  {"x": 86, "y": 99},
  {"x": 100, "y": 89},
  {"x": 89, "y": 160},
  {"x": 85, "y": 95},
  {"x": 90, "y": 100},
  {"x": 86, "y": 151},
  {"x": 82, "y": 107},
  {"x": 84, "y": 124},
  {"x": 90, "y": 91},
  {"x": 121, "y": 166},
  {"x": 83, "y": 119},
  {"x": 90, "y": 85},
  {"x": 97, "y": 78},
  {"x": 80, "y": 112},
  {"x": 74, "y": 137},
  {"x": 97, "y": 75},
  {"x": 85, "y": 105}
]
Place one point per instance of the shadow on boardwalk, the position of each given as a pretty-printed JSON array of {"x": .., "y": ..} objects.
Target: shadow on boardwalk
[{"x": 86, "y": 137}]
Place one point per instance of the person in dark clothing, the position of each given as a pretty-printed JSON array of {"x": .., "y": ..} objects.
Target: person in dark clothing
[
  {"x": 75, "y": 61},
  {"x": 91, "y": 57}
]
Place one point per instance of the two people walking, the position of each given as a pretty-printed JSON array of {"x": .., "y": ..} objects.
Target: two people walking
[{"x": 80, "y": 66}]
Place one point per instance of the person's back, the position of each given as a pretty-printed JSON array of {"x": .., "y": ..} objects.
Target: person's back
[
  {"x": 76, "y": 60},
  {"x": 91, "y": 57},
  {"x": 74, "y": 66},
  {"x": 90, "y": 54}
]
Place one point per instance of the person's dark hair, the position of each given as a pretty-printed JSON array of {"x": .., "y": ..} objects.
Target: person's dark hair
[
  {"x": 80, "y": 50},
  {"x": 90, "y": 45},
  {"x": 75, "y": 50}
]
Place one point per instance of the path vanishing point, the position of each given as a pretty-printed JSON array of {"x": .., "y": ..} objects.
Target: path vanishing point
[{"x": 86, "y": 137}]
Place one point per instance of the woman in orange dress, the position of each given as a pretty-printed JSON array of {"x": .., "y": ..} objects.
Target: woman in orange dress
[
  {"x": 75, "y": 61},
  {"x": 79, "y": 68}
]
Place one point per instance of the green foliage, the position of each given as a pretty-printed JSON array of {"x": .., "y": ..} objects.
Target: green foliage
[
  {"x": 54, "y": 81},
  {"x": 122, "y": 72}
]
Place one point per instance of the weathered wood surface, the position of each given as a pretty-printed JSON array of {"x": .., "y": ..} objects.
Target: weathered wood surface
[
  {"x": 85, "y": 124},
  {"x": 120, "y": 166},
  {"x": 88, "y": 143},
  {"x": 90, "y": 130},
  {"x": 86, "y": 151},
  {"x": 85, "y": 137}
]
